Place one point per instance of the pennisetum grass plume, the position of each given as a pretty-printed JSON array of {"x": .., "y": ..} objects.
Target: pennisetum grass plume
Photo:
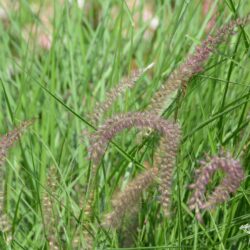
[
  {"x": 113, "y": 126},
  {"x": 6, "y": 142},
  {"x": 165, "y": 158},
  {"x": 117, "y": 91},
  {"x": 127, "y": 200},
  {"x": 193, "y": 65},
  {"x": 233, "y": 177},
  {"x": 50, "y": 222},
  {"x": 129, "y": 232}
]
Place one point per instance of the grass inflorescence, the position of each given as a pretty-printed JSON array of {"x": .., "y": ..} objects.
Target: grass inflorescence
[{"x": 116, "y": 69}]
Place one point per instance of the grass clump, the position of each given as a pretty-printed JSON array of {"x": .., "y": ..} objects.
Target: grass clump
[{"x": 61, "y": 62}]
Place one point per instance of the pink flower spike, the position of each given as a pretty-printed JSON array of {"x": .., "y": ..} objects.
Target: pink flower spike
[{"x": 229, "y": 185}]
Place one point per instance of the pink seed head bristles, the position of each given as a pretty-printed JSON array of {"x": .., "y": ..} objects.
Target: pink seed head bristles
[
  {"x": 50, "y": 222},
  {"x": 117, "y": 91},
  {"x": 168, "y": 146},
  {"x": 127, "y": 200},
  {"x": 193, "y": 65},
  {"x": 6, "y": 141},
  {"x": 113, "y": 126},
  {"x": 165, "y": 159},
  {"x": 233, "y": 177},
  {"x": 5, "y": 224}
]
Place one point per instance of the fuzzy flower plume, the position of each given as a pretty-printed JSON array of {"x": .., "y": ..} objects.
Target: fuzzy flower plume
[
  {"x": 6, "y": 142},
  {"x": 5, "y": 224},
  {"x": 168, "y": 146},
  {"x": 127, "y": 200},
  {"x": 113, "y": 126},
  {"x": 166, "y": 158},
  {"x": 193, "y": 65},
  {"x": 233, "y": 177},
  {"x": 117, "y": 91},
  {"x": 48, "y": 211}
]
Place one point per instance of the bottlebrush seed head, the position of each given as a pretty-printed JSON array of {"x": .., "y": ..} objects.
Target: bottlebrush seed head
[
  {"x": 50, "y": 222},
  {"x": 125, "y": 201},
  {"x": 117, "y": 91},
  {"x": 113, "y": 126},
  {"x": 234, "y": 176},
  {"x": 193, "y": 65},
  {"x": 165, "y": 156},
  {"x": 6, "y": 141}
]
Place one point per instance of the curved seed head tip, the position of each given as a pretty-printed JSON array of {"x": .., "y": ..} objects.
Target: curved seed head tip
[
  {"x": 165, "y": 157},
  {"x": 230, "y": 183},
  {"x": 118, "y": 123}
]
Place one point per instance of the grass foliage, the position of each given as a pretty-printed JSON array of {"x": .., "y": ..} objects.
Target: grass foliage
[{"x": 92, "y": 50}]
